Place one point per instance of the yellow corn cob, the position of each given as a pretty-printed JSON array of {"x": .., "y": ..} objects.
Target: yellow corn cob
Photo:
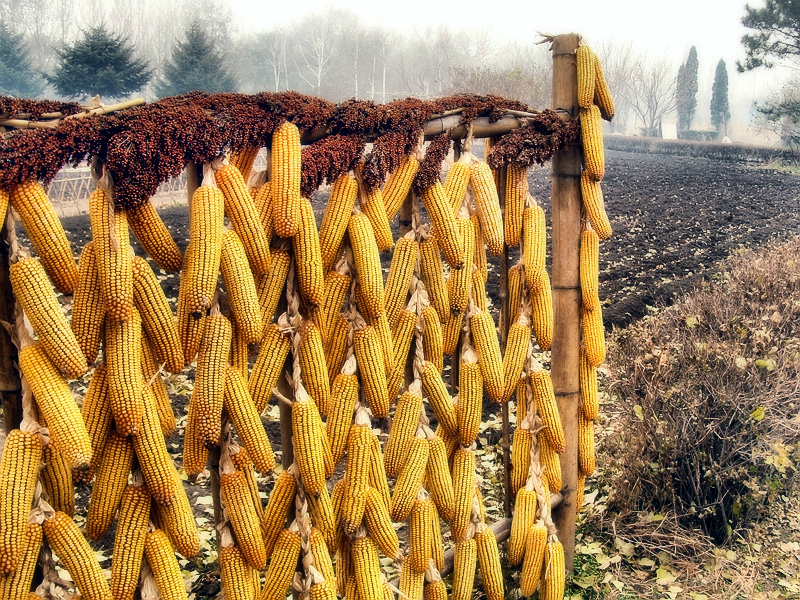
[
  {"x": 19, "y": 465},
  {"x": 588, "y": 378},
  {"x": 313, "y": 367},
  {"x": 134, "y": 515},
  {"x": 592, "y": 140},
  {"x": 398, "y": 281},
  {"x": 593, "y": 204},
  {"x": 437, "y": 478},
  {"x": 489, "y": 559},
  {"x": 437, "y": 546},
  {"x": 433, "y": 278},
  {"x": 263, "y": 199},
  {"x": 244, "y": 519},
  {"x": 522, "y": 402},
  {"x": 593, "y": 336},
  {"x": 379, "y": 524},
  {"x": 124, "y": 356},
  {"x": 602, "y": 95},
  {"x": 45, "y": 232},
  {"x": 243, "y": 160},
  {"x": 377, "y": 472},
  {"x": 516, "y": 277},
  {"x": 195, "y": 452},
  {"x": 586, "y": 458},
  {"x": 409, "y": 480},
  {"x": 154, "y": 237},
  {"x": 157, "y": 317},
  {"x": 68, "y": 543},
  {"x": 202, "y": 259},
  {"x": 113, "y": 255},
  {"x": 336, "y": 346},
  {"x": 241, "y": 287},
  {"x": 367, "y": 568},
  {"x": 239, "y": 356},
  {"x": 270, "y": 286},
  {"x": 534, "y": 246},
  {"x": 589, "y": 256},
  {"x": 552, "y": 587},
  {"x": 280, "y": 500},
  {"x": 487, "y": 203},
  {"x": 337, "y": 213},
  {"x": 323, "y": 591},
  {"x": 373, "y": 374},
  {"x": 245, "y": 418},
  {"x": 463, "y": 492},
  {"x": 455, "y": 185},
  {"x": 336, "y": 288},
  {"x": 321, "y": 554},
  {"x": 432, "y": 338},
  {"x": 344, "y": 395},
  {"x": 411, "y": 583},
  {"x": 521, "y": 442},
  {"x": 15, "y": 586},
  {"x": 368, "y": 265},
  {"x": 435, "y": 590},
  {"x": 151, "y": 451},
  {"x": 178, "y": 521},
  {"x": 166, "y": 415},
  {"x": 551, "y": 463},
  {"x": 404, "y": 424},
  {"x": 470, "y": 402},
  {"x": 342, "y": 541},
  {"x": 402, "y": 334},
  {"x": 545, "y": 400},
  {"x": 190, "y": 326},
  {"x": 478, "y": 290},
  {"x": 3, "y": 206},
  {"x": 242, "y": 462},
  {"x": 542, "y": 314},
  {"x": 269, "y": 365},
  {"x": 586, "y": 76},
  {"x": 516, "y": 194},
  {"x": 523, "y": 518},
  {"x": 285, "y": 178},
  {"x": 480, "y": 248},
  {"x": 235, "y": 574},
  {"x": 464, "y": 563},
  {"x": 489, "y": 357},
  {"x": 212, "y": 362},
  {"x": 439, "y": 398},
  {"x": 57, "y": 405},
  {"x": 356, "y": 478},
  {"x": 57, "y": 481},
  {"x": 96, "y": 413},
  {"x": 398, "y": 185},
  {"x": 310, "y": 276},
  {"x": 535, "y": 544},
  {"x": 35, "y": 294},
  {"x": 241, "y": 209},
  {"x": 451, "y": 333},
  {"x": 282, "y": 565},
  {"x": 88, "y": 310},
  {"x": 460, "y": 281},
  {"x": 420, "y": 535},
  {"x": 519, "y": 336},
  {"x": 308, "y": 439},
  {"x": 444, "y": 223},
  {"x": 371, "y": 203},
  {"x": 166, "y": 571}
]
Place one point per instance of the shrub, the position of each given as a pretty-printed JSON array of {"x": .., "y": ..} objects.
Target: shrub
[{"x": 708, "y": 393}]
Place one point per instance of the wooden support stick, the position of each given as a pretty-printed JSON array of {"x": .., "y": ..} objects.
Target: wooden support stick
[
  {"x": 10, "y": 387},
  {"x": 566, "y": 287}
]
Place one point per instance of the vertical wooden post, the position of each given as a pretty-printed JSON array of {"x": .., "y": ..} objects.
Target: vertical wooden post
[
  {"x": 566, "y": 286},
  {"x": 10, "y": 387},
  {"x": 194, "y": 177},
  {"x": 504, "y": 325}
]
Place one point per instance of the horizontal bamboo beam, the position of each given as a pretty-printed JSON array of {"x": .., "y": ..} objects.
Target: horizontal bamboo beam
[
  {"x": 54, "y": 123},
  {"x": 501, "y": 530}
]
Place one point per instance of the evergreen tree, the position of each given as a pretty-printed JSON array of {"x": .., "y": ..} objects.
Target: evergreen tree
[
  {"x": 17, "y": 76},
  {"x": 686, "y": 91},
  {"x": 99, "y": 63},
  {"x": 196, "y": 65},
  {"x": 720, "y": 112}
]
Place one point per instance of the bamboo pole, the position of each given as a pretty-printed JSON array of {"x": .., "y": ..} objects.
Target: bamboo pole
[
  {"x": 10, "y": 387},
  {"x": 566, "y": 286}
]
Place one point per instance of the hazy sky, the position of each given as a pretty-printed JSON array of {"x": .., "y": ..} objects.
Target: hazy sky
[{"x": 714, "y": 26}]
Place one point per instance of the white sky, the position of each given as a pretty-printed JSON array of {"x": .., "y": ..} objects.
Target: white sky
[{"x": 713, "y": 26}]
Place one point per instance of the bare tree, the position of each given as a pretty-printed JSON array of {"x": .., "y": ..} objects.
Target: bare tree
[
  {"x": 315, "y": 43},
  {"x": 652, "y": 92},
  {"x": 618, "y": 61}
]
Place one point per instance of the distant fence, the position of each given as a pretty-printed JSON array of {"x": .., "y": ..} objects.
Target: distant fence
[{"x": 715, "y": 150}]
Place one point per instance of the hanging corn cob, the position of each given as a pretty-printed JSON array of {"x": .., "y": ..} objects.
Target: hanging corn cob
[
  {"x": 285, "y": 171},
  {"x": 154, "y": 237}
]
